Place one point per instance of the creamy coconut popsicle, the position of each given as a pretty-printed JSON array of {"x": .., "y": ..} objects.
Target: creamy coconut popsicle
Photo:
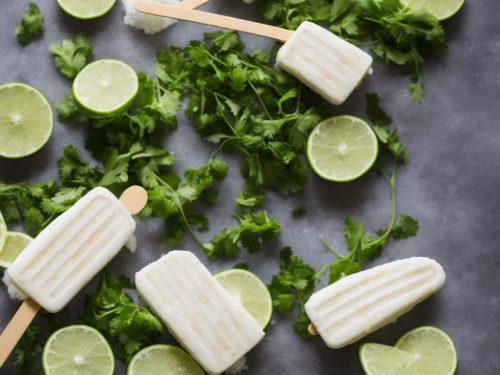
[
  {"x": 325, "y": 63},
  {"x": 67, "y": 254},
  {"x": 210, "y": 323},
  {"x": 361, "y": 303}
]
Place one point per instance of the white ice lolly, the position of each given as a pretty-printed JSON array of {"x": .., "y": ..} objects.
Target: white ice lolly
[
  {"x": 211, "y": 324},
  {"x": 327, "y": 64},
  {"x": 67, "y": 254},
  {"x": 361, "y": 303}
]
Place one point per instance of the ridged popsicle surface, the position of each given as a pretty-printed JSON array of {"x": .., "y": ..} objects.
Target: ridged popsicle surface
[
  {"x": 363, "y": 302},
  {"x": 67, "y": 254},
  {"x": 210, "y": 323},
  {"x": 327, "y": 64}
]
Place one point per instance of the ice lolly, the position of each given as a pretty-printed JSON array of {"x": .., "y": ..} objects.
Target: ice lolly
[
  {"x": 67, "y": 254},
  {"x": 325, "y": 63},
  {"x": 361, "y": 303},
  {"x": 210, "y": 323}
]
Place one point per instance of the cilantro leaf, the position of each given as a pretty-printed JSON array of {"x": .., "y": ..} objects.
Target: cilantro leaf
[
  {"x": 32, "y": 25},
  {"x": 250, "y": 232},
  {"x": 112, "y": 311},
  {"x": 70, "y": 56}
]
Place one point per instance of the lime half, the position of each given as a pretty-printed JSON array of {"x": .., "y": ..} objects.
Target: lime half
[
  {"x": 423, "y": 351},
  {"x": 26, "y": 120},
  {"x": 77, "y": 350},
  {"x": 86, "y": 9},
  {"x": 106, "y": 87},
  {"x": 342, "y": 148},
  {"x": 250, "y": 291},
  {"x": 3, "y": 232},
  {"x": 15, "y": 243},
  {"x": 433, "y": 350},
  {"x": 441, "y": 9},
  {"x": 163, "y": 360}
]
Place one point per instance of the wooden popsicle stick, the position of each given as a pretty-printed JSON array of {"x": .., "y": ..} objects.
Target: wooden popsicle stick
[
  {"x": 191, "y": 4},
  {"x": 207, "y": 18},
  {"x": 16, "y": 328},
  {"x": 312, "y": 330},
  {"x": 134, "y": 199}
]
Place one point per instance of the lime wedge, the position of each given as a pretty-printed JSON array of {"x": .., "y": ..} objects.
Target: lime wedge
[
  {"x": 433, "y": 349},
  {"x": 342, "y": 148},
  {"x": 423, "y": 351},
  {"x": 77, "y": 350},
  {"x": 378, "y": 359},
  {"x": 441, "y": 9},
  {"x": 106, "y": 87},
  {"x": 250, "y": 291},
  {"x": 86, "y": 9},
  {"x": 3, "y": 232},
  {"x": 15, "y": 243},
  {"x": 26, "y": 120},
  {"x": 163, "y": 360}
]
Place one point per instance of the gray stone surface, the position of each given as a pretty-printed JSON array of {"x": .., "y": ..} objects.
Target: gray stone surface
[{"x": 451, "y": 184}]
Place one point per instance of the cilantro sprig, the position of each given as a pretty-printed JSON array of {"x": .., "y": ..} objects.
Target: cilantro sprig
[
  {"x": 27, "y": 352},
  {"x": 31, "y": 26},
  {"x": 112, "y": 311},
  {"x": 70, "y": 56},
  {"x": 292, "y": 287},
  {"x": 394, "y": 32},
  {"x": 362, "y": 245}
]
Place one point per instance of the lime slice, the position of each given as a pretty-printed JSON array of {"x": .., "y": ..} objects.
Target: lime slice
[
  {"x": 3, "y": 231},
  {"x": 250, "y": 291},
  {"x": 342, "y": 148},
  {"x": 86, "y": 9},
  {"x": 378, "y": 359},
  {"x": 26, "y": 120},
  {"x": 77, "y": 350},
  {"x": 425, "y": 350},
  {"x": 441, "y": 9},
  {"x": 106, "y": 87},
  {"x": 15, "y": 243},
  {"x": 163, "y": 360},
  {"x": 433, "y": 350}
]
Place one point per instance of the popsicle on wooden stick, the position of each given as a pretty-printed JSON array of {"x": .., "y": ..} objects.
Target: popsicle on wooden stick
[
  {"x": 67, "y": 254},
  {"x": 359, "y": 304},
  {"x": 325, "y": 63},
  {"x": 211, "y": 324}
]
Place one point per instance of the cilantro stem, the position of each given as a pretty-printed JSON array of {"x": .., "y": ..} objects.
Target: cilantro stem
[
  {"x": 175, "y": 198},
  {"x": 329, "y": 247},
  {"x": 260, "y": 100}
]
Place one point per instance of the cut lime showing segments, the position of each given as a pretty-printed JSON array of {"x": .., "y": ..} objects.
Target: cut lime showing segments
[
  {"x": 441, "y": 9},
  {"x": 3, "y": 232},
  {"x": 342, "y": 148},
  {"x": 106, "y": 87},
  {"x": 163, "y": 360},
  {"x": 86, "y": 9},
  {"x": 26, "y": 120},
  {"x": 15, "y": 243},
  {"x": 433, "y": 349},
  {"x": 77, "y": 350},
  {"x": 250, "y": 291},
  {"x": 423, "y": 351}
]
